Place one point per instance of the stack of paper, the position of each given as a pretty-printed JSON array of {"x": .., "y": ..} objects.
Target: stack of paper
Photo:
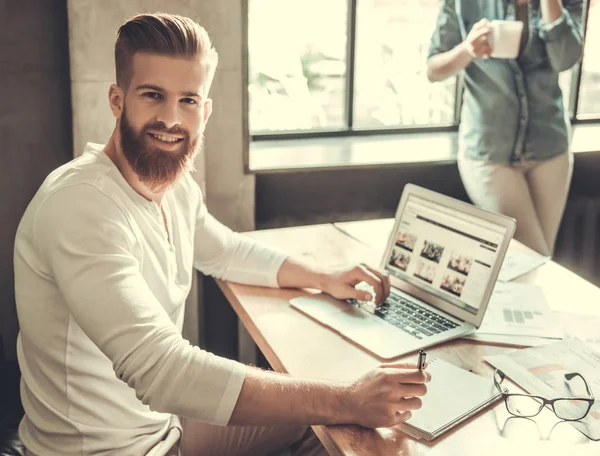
[
  {"x": 541, "y": 371},
  {"x": 453, "y": 395},
  {"x": 516, "y": 264},
  {"x": 518, "y": 314},
  {"x": 582, "y": 327}
]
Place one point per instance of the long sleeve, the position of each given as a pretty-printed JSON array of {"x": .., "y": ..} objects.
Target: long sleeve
[
  {"x": 564, "y": 38},
  {"x": 92, "y": 253},
  {"x": 447, "y": 33},
  {"x": 224, "y": 254}
]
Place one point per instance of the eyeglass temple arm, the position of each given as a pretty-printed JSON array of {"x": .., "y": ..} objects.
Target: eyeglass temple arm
[
  {"x": 496, "y": 382},
  {"x": 571, "y": 375}
]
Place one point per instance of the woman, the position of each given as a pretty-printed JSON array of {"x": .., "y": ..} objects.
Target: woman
[{"x": 514, "y": 136}]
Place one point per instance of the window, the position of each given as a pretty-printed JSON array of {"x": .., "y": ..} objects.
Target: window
[
  {"x": 589, "y": 90},
  {"x": 391, "y": 87},
  {"x": 344, "y": 67},
  {"x": 565, "y": 80},
  {"x": 297, "y": 64}
]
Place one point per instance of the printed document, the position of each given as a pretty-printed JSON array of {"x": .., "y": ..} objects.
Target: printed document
[
  {"x": 583, "y": 327},
  {"x": 517, "y": 264},
  {"x": 540, "y": 371},
  {"x": 520, "y": 309}
]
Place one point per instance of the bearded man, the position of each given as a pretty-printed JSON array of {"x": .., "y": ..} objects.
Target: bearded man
[{"x": 104, "y": 257}]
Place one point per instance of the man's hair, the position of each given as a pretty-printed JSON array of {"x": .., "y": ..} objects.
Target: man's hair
[{"x": 163, "y": 34}]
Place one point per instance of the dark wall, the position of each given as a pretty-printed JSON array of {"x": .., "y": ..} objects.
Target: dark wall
[
  {"x": 586, "y": 175},
  {"x": 288, "y": 199},
  {"x": 35, "y": 122}
]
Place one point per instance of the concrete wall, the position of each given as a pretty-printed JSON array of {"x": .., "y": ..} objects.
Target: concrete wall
[
  {"x": 92, "y": 29},
  {"x": 229, "y": 193}
]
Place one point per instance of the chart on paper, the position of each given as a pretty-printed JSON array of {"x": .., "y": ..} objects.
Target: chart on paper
[
  {"x": 540, "y": 370},
  {"x": 519, "y": 309}
]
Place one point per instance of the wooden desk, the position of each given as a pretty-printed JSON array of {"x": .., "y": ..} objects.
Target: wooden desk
[{"x": 295, "y": 344}]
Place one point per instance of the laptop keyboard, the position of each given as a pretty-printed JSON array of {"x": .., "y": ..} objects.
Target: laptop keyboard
[{"x": 412, "y": 318}]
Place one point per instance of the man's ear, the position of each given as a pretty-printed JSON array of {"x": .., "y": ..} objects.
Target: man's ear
[
  {"x": 207, "y": 109},
  {"x": 116, "y": 96}
]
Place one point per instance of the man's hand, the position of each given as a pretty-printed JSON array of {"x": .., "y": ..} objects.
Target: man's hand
[
  {"x": 382, "y": 397},
  {"x": 341, "y": 284},
  {"x": 385, "y": 396},
  {"x": 477, "y": 43}
]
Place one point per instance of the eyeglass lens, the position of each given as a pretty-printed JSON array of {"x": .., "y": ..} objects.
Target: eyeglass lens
[
  {"x": 565, "y": 409},
  {"x": 524, "y": 406},
  {"x": 571, "y": 409}
]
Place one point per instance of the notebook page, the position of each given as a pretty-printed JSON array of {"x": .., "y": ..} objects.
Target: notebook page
[{"x": 451, "y": 393}]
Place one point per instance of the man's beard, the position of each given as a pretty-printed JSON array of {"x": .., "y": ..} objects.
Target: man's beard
[{"x": 157, "y": 168}]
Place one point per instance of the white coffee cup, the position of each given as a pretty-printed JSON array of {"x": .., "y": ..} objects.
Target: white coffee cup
[{"x": 505, "y": 38}]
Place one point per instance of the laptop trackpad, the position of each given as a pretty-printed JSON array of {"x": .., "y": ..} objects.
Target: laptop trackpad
[
  {"x": 319, "y": 305},
  {"x": 349, "y": 320}
]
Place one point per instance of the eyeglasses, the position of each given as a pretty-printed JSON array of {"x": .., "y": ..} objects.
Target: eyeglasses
[{"x": 528, "y": 405}]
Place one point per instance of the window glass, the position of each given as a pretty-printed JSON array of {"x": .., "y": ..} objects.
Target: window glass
[
  {"x": 589, "y": 90},
  {"x": 391, "y": 86},
  {"x": 297, "y": 64}
]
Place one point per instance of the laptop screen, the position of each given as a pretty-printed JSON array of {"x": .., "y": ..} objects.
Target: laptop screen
[{"x": 446, "y": 252}]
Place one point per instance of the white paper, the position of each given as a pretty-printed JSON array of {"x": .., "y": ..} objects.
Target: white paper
[
  {"x": 540, "y": 371},
  {"x": 373, "y": 234},
  {"x": 583, "y": 327},
  {"x": 453, "y": 394},
  {"x": 520, "y": 309},
  {"x": 517, "y": 264},
  {"x": 503, "y": 339}
]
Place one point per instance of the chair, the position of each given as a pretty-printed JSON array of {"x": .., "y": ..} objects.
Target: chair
[{"x": 11, "y": 410}]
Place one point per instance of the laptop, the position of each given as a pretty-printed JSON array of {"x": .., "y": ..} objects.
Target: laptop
[{"x": 443, "y": 257}]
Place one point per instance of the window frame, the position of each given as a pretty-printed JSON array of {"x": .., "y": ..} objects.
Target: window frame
[{"x": 351, "y": 130}]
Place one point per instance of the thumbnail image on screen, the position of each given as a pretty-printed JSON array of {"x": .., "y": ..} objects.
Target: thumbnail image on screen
[
  {"x": 453, "y": 283},
  {"x": 399, "y": 259},
  {"x": 425, "y": 271},
  {"x": 406, "y": 240},
  {"x": 432, "y": 251},
  {"x": 460, "y": 263}
]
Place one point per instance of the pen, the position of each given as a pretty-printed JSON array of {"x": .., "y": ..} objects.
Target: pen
[{"x": 421, "y": 361}]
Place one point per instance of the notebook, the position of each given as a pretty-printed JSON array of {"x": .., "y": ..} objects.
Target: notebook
[
  {"x": 443, "y": 257},
  {"x": 453, "y": 395}
]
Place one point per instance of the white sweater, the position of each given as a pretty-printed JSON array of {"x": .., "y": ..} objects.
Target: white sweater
[{"x": 100, "y": 291}]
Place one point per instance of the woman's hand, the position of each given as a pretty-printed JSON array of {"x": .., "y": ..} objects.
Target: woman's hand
[{"x": 477, "y": 43}]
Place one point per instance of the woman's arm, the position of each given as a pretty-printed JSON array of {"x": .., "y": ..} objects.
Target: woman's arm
[
  {"x": 551, "y": 10},
  {"x": 562, "y": 32},
  {"x": 442, "y": 66},
  {"x": 447, "y": 64}
]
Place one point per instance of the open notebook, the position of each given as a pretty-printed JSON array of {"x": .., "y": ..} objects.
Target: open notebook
[{"x": 453, "y": 395}]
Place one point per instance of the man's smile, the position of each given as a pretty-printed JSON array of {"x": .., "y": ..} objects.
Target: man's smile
[{"x": 166, "y": 138}]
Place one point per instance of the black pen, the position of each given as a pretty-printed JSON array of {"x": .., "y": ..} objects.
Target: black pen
[{"x": 421, "y": 361}]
